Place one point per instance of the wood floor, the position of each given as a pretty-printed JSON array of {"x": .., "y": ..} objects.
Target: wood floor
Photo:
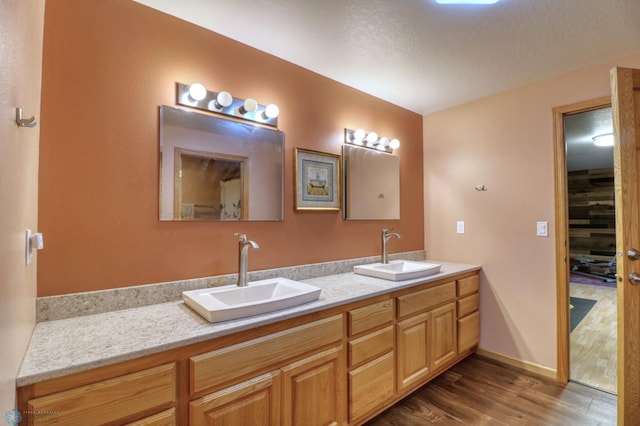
[
  {"x": 593, "y": 350},
  {"x": 479, "y": 391}
]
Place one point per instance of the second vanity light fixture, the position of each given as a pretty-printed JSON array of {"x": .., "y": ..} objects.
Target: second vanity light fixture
[
  {"x": 197, "y": 96},
  {"x": 370, "y": 140}
]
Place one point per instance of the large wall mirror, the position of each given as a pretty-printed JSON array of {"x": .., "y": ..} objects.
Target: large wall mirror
[
  {"x": 217, "y": 169},
  {"x": 371, "y": 184}
]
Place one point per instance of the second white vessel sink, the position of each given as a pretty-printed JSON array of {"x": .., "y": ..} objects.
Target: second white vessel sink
[
  {"x": 398, "y": 270},
  {"x": 258, "y": 297}
]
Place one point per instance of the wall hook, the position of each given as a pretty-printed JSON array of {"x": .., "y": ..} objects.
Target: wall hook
[
  {"x": 480, "y": 188},
  {"x": 24, "y": 122}
]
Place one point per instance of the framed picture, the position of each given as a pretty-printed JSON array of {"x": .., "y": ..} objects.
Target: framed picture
[{"x": 317, "y": 179}]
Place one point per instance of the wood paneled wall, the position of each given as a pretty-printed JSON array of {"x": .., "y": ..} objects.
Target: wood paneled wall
[{"x": 591, "y": 214}]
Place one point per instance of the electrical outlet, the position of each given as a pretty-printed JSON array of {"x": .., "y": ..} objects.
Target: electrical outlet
[{"x": 460, "y": 227}]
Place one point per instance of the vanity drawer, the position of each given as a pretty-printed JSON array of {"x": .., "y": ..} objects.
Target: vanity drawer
[
  {"x": 468, "y": 285},
  {"x": 111, "y": 400},
  {"x": 467, "y": 305},
  {"x": 423, "y": 300},
  {"x": 370, "y": 345},
  {"x": 370, "y": 317},
  {"x": 234, "y": 362}
]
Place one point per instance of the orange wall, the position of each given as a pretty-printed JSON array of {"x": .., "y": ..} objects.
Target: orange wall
[
  {"x": 504, "y": 142},
  {"x": 107, "y": 67},
  {"x": 21, "y": 24}
]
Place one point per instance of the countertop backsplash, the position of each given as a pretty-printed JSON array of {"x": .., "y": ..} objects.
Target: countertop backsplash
[{"x": 73, "y": 305}]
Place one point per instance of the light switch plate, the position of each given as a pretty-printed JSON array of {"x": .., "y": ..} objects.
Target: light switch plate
[
  {"x": 542, "y": 229},
  {"x": 460, "y": 227}
]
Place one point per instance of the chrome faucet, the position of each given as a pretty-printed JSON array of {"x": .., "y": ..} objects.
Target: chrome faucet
[
  {"x": 243, "y": 252},
  {"x": 385, "y": 237}
]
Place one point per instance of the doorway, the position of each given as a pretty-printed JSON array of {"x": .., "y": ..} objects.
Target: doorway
[
  {"x": 587, "y": 300},
  {"x": 209, "y": 186}
]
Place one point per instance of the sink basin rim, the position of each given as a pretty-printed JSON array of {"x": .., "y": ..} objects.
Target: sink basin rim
[
  {"x": 398, "y": 270},
  {"x": 214, "y": 309}
]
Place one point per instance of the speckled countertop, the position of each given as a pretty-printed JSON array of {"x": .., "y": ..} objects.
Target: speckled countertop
[{"x": 72, "y": 345}]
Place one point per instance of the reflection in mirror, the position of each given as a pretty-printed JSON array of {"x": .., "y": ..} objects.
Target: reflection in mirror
[
  {"x": 217, "y": 169},
  {"x": 371, "y": 184}
]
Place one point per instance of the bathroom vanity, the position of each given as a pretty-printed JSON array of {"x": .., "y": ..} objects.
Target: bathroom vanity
[{"x": 364, "y": 345}]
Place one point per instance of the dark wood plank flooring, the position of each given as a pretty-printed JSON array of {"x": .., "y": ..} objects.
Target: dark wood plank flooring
[{"x": 479, "y": 391}]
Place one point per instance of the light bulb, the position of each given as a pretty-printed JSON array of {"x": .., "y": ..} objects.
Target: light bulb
[
  {"x": 271, "y": 111},
  {"x": 223, "y": 100},
  {"x": 383, "y": 144},
  {"x": 372, "y": 138},
  {"x": 394, "y": 144},
  {"x": 197, "y": 92},
  {"x": 358, "y": 136},
  {"x": 249, "y": 105}
]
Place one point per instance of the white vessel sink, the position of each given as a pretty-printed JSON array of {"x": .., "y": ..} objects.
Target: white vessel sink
[
  {"x": 398, "y": 270},
  {"x": 258, "y": 297}
]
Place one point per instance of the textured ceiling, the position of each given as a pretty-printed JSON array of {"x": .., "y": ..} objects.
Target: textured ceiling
[{"x": 420, "y": 55}]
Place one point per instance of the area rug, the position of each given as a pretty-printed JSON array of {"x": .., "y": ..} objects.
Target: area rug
[
  {"x": 579, "y": 309},
  {"x": 582, "y": 279}
]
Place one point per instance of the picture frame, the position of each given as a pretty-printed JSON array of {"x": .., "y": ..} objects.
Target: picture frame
[{"x": 317, "y": 181}]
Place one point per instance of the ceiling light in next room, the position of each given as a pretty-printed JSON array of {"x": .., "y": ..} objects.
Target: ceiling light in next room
[
  {"x": 603, "y": 140},
  {"x": 467, "y": 1}
]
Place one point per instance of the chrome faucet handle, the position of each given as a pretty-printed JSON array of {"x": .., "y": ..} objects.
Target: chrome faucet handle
[{"x": 241, "y": 237}]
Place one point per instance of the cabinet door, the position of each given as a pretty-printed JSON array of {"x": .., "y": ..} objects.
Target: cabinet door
[
  {"x": 254, "y": 402},
  {"x": 414, "y": 354},
  {"x": 314, "y": 390},
  {"x": 165, "y": 418},
  {"x": 468, "y": 332},
  {"x": 444, "y": 334},
  {"x": 370, "y": 386}
]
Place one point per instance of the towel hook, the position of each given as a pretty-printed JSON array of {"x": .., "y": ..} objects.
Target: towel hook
[{"x": 24, "y": 122}]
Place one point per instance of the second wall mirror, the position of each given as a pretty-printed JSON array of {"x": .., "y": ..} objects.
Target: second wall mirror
[{"x": 371, "y": 184}]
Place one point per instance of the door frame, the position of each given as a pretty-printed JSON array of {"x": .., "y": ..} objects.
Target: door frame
[{"x": 562, "y": 229}]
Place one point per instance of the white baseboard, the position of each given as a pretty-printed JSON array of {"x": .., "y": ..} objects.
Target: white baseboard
[{"x": 525, "y": 365}]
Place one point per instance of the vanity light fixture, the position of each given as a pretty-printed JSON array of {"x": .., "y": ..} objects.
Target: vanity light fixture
[
  {"x": 370, "y": 140},
  {"x": 605, "y": 139},
  {"x": 197, "y": 96}
]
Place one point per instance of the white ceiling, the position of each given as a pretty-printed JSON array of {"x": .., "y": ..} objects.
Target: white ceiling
[
  {"x": 420, "y": 55},
  {"x": 579, "y": 130}
]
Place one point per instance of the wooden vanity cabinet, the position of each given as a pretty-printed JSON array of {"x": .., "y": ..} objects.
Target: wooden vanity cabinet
[
  {"x": 295, "y": 390},
  {"x": 340, "y": 366}
]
